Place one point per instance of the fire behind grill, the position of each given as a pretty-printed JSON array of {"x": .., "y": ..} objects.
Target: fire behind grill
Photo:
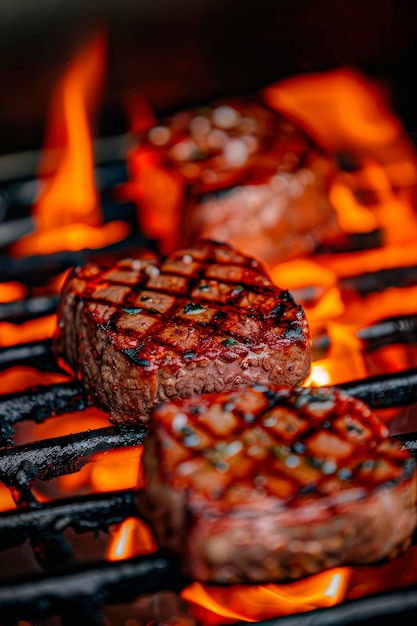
[
  {"x": 77, "y": 591},
  {"x": 82, "y": 591}
]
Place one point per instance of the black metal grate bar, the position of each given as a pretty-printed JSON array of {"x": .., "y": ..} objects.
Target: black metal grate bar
[
  {"x": 37, "y": 404},
  {"x": 352, "y": 242},
  {"x": 380, "y": 392},
  {"x": 19, "y": 311},
  {"x": 82, "y": 590},
  {"x": 379, "y": 281},
  {"x": 85, "y": 513},
  {"x": 36, "y": 270},
  {"x": 391, "y": 330},
  {"x": 55, "y": 457},
  {"x": 383, "y": 392},
  {"x": 37, "y": 354},
  {"x": 23, "y": 354}
]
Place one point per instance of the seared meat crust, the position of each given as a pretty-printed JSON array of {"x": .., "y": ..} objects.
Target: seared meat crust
[
  {"x": 255, "y": 485},
  {"x": 204, "y": 319}
]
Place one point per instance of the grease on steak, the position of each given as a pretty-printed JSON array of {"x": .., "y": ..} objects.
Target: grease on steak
[
  {"x": 256, "y": 485},
  {"x": 204, "y": 319}
]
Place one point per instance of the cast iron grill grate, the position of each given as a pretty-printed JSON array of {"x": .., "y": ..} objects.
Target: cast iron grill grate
[
  {"x": 69, "y": 588},
  {"x": 77, "y": 591}
]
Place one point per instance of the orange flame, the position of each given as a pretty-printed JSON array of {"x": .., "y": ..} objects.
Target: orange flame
[
  {"x": 70, "y": 195},
  {"x": 212, "y": 604},
  {"x": 130, "y": 538},
  {"x": 67, "y": 214},
  {"x": 12, "y": 291},
  {"x": 34, "y": 330},
  {"x": 72, "y": 237},
  {"x": 351, "y": 115},
  {"x": 342, "y": 109}
]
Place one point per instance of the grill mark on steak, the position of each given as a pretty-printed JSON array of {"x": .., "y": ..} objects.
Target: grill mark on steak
[
  {"x": 173, "y": 320},
  {"x": 261, "y": 485}
]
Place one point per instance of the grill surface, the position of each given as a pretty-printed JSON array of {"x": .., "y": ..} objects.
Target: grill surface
[{"x": 79, "y": 590}]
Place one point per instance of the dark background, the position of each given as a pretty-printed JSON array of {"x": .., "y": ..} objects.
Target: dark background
[{"x": 178, "y": 52}]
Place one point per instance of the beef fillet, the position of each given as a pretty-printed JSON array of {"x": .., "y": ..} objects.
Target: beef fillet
[
  {"x": 234, "y": 171},
  {"x": 255, "y": 485},
  {"x": 203, "y": 319}
]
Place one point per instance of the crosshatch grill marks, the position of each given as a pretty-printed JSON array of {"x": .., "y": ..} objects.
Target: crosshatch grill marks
[
  {"x": 222, "y": 284},
  {"x": 207, "y": 313},
  {"x": 291, "y": 431},
  {"x": 247, "y": 488}
]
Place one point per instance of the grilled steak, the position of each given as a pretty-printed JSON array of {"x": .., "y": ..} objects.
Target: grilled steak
[
  {"x": 235, "y": 171},
  {"x": 255, "y": 485},
  {"x": 201, "y": 320}
]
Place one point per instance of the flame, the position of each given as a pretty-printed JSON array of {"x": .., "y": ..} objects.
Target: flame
[
  {"x": 319, "y": 375},
  {"x": 342, "y": 109},
  {"x": 34, "y": 330},
  {"x": 130, "y": 538},
  {"x": 12, "y": 291},
  {"x": 159, "y": 193},
  {"x": 72, "y": 237},
  {"x": 6, "y": 500},
  {"x": 352, "y": 216},
  {"x": 67, "y": 213},
  {"x": 70, "y": 195},
  {"x": 213, "y": 603},
  {"x": 18, "y": 378}
]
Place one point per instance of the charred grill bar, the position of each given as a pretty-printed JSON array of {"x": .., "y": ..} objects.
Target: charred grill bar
[{"x": 78, "y": 593}]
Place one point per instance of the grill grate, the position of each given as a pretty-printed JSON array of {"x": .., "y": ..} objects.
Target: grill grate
[
  {"x": 78, "y": 592},
  {"x": 71, "y": 589}
]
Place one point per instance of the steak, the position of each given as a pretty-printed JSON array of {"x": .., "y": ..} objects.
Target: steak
[
  {"x": 203, "y": 319},
  {"x": 234, "y": 171},
  {"x": 257, "y": 485}
]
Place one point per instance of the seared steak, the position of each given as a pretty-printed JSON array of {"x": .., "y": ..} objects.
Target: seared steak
[
  {"x": 255, "y": 485},
  {"x": 201, "y": 320},
  {"x": 235, "y": 171}
]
